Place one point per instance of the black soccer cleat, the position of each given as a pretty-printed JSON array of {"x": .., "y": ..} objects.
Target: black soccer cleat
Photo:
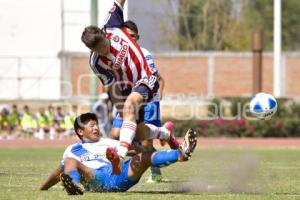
[
  {"x": 70, "y": 186},
  {"x": 188, "y": 145}
]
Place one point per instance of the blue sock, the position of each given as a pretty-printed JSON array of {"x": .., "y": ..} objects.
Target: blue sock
[
  {"x": 74, "y": 174},
  {"x": 164, "y": 158},
  {"x": 155, "y": 170}
]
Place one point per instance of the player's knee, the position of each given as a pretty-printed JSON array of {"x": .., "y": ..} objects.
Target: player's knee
[
  {"x": 115, "y": 133},
  {"x": 134, "y": 98},
  {"x": 70, "y": 162}
]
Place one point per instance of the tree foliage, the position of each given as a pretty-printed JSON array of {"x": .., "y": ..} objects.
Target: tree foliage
[{"x": 229, "y": 24}]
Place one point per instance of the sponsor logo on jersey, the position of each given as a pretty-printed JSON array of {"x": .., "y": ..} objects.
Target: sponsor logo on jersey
[
  {"x": 90, "y": 157},
  {"x": 116, "y": 38},
  {"x": 148, "y": 57},
  {"x": 120, "y": 58}
]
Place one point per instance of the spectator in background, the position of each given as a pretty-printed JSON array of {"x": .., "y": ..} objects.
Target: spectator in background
[
  {"x": 15, "y": 121},
  {"x": 28, "y": 122},
  {"x": 50, "y": 115},
  {"x": 42, "y": 124},
  {"x": 69, "y": 120},
  {"x": 4, "y": 122},
  {"x": 59, "y": 122},
  {"x": 102, "y": 109}
]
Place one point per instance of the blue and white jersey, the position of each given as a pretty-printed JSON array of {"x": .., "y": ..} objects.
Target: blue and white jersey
[
  {"x": 92, "y": 155},
  {"x": 149, "y": 59}
]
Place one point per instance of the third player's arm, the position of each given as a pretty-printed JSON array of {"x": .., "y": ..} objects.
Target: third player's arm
[
  {"x": 122, "y": 2},
  {"x": 52, "y": 179},
  {"x": 161, "y": 86}
]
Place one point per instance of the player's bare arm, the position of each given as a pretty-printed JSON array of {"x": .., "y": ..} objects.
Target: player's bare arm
[
  {"x": 121, "y": 2},
  {"x": 52, "y": 179},
  {"x": 161, "y": 86}
]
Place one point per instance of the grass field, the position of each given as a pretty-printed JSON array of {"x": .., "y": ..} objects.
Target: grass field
[{"x": 212, "y": 173}]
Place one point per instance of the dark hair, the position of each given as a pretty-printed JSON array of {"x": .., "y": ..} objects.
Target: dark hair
[
  {"x": 82, "y": 119},
  {"x": 92, "y": 35},
  {"x": 132, "y": 26}
]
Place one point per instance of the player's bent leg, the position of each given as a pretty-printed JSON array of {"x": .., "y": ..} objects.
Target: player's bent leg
[
  {"x": 155, "y": 172},
  {"x": 138, "y": 165},
  {"x": 128, "y": 129},
  {"x": 172, "y": 141},
  {"x": 70, "y": 177},
  {"x": 165, "y": 158},
  {"x": 71, "y": 187}
]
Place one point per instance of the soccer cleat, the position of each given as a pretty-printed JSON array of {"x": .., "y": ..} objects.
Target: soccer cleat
[
  {"x": 70, "y": 186},
  {"x": 115, "y": 159},
  {"x": 172, "y": 141},
  {"x": 188, "y": 145}
]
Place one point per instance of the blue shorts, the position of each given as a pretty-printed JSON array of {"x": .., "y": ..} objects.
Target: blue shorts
[
  {"x": 151, "y": 115},
  {"x": 105, "y": 181}
]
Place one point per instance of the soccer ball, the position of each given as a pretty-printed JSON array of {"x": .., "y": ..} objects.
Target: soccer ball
[{"x": 263, "y": 106}]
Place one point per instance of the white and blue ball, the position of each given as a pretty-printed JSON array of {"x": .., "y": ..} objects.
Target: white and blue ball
[{"x": 263, "y": 106}]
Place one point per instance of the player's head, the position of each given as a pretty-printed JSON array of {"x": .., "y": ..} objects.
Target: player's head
[
  {"x": 132, "y": 29},
  {"x": 94, "y": 38},
  {"x": 86, "y": 127}
]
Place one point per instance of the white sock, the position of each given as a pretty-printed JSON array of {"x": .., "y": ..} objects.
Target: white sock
[
  {"x": 161, "y": 133},
  {"x": 127, "y": 134}
]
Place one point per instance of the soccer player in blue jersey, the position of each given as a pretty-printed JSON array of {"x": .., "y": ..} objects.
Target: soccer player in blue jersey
[
  {"x": 87, "y": 166},
  {"x": 152, "y": 109}
]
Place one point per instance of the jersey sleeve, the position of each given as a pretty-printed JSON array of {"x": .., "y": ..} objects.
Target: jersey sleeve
[
  {"x": 112, "y": 143},
  {"x": 68, "y": 154},
  {"x": 149, "y": 59},
  {"x": 106, "y": 76},
  {"x": 115, "y": 18}
]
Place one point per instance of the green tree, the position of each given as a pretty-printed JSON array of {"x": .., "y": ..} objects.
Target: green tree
[{"x": 229, "y": 24}]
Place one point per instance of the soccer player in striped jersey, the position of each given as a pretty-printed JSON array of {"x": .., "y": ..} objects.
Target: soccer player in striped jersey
[
  {"x": 119, "y": 63},
  {"x": 87, "y": 167},
  {"x": 151, "y": 110}
]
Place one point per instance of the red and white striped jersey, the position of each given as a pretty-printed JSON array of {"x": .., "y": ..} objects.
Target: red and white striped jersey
[{"x": 125, "y": 62}]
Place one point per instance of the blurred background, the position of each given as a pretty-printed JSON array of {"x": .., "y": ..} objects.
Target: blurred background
[{"x": 213, "y": 55}]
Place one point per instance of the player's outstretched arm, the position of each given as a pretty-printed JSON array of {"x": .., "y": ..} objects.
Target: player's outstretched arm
[
  {"x": 52, "y": 179},
  {"x": 161, "y": 86},
  {"x": 122, "y": 2}
]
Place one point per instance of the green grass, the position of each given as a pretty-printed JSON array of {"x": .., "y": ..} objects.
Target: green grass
[{"x": 212, "y": 173}]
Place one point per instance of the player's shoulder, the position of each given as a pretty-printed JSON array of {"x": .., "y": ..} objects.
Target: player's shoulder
[
  {"x": 116, "y": 3},
  {"x": 72, "y": 147},
  {"x": 93, "y": 57},
  {"x": 145, "y": 51},
  {"x": 147, "y": 54}
]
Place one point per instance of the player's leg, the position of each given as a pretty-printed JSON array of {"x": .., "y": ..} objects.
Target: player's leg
[
  {"x": 155, "y": 175},
  {"x": 152, "y": 116},
  {"x": 140, "y": 163},
  {"x": 142, "y": 93},
  {"x": 129, "y": 126},
  {"x": 72, "y": 173},
  {"x": 147, "y": 131}
]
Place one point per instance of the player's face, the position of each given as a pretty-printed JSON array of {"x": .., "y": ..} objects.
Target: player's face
[
  {"x": 91, "y": 131},
  {"x": 133, "y": 34},
  {"x": 102, "y": 48}
]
